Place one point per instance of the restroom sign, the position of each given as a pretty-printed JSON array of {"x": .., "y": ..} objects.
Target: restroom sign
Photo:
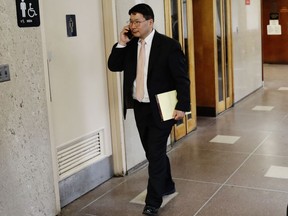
[{"x": 28, "y": 14}]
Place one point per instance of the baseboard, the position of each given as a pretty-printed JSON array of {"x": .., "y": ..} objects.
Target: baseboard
[
  {"x": 206, "y": 111},
  {"x": 85, "y": 180}
]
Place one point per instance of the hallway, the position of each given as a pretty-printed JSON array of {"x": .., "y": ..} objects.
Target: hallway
[{"x": 233, "y": 165}]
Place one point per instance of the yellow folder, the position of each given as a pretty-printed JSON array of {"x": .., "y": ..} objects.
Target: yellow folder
[{"x": 166, "y": 103}]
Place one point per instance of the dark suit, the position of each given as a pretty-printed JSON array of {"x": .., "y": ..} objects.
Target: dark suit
[{"x": 167, "y": 70}]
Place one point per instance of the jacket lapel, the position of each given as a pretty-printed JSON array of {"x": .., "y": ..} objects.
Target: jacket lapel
[
  {"x": 154, "y": 52},
  {"x": 133, "y": 57}
]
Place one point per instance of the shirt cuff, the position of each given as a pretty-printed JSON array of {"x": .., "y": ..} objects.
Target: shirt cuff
[{"x": 120, "y": 46}]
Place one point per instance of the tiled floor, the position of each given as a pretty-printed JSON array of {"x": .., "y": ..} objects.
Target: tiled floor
[{"x": 232, "y": 165}]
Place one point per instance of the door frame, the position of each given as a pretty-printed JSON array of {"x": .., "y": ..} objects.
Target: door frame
[
  {"x": 114, "y": 92},
  {"x": 189, "y": 123},
  {"x": 227, "y": 57}
]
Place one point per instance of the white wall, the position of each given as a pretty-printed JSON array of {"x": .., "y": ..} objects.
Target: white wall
[
  {"x": 26, "y": 176},
  {"x": 134, "y": 151},
  {"x": 78, "y": 87},
  {"x": 77, "y": 70},
  {"x": 247, "y": 48}
]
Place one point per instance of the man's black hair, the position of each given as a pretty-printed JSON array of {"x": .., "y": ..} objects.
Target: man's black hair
[{"x": 143, "y": 9}]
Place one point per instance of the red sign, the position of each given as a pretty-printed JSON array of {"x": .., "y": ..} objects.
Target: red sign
[{"x": 247, "y": 2}]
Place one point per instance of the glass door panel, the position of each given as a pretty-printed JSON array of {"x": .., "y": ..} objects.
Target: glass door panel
[
  {"x": 220, "y": 38},
  {"x": 177, "y": 27},
  {"x": 228, "y": 58},
  {"x": 188, "y": 46},
  {"x": 224, "y": 55},
  {"x": 177, "y": 34},
  {"x": 174, "y": 19}
]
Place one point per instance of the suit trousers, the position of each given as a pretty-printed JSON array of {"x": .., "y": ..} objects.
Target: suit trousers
[{"x": 154, "y": 137}]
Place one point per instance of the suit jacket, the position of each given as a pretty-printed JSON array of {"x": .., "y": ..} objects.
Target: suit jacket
[{"x": 167, "y": 70}]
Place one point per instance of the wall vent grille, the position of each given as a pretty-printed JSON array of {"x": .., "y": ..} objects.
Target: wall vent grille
[{"x": 74, "y": 156}]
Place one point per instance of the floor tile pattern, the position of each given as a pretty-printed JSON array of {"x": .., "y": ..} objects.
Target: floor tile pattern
[
  {"x": 140, "y": 199},
  {"x": 247, "y": 177},
  {"x": 277, "y": 172},
  {"x": 225, "y": 139},
  {"x": 263, "y": 108},
  {"x": 283, "y": 89}
]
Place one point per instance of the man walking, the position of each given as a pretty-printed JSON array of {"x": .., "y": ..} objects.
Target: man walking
[{"x": 152, "y": 63}]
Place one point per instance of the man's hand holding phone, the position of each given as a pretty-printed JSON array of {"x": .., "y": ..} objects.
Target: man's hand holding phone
[
  {"x": 125, "y": 35},
  {"x": 129, "y": 34}
]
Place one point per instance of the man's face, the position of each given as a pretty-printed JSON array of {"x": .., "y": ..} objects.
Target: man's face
[{"x": 139, "y": 26}]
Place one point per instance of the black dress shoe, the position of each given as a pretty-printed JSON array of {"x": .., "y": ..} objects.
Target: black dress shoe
[
  {"x": 150, "y": 210},
  {"x": 169, "y": 192}
]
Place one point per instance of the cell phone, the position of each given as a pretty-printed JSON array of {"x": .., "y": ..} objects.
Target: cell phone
[{"x": 129, "y": 34}]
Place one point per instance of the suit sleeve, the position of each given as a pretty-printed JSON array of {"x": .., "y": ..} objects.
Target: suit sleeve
[
  {"x": 116, "y": 59},
  {"x": 179, "y": 69}
]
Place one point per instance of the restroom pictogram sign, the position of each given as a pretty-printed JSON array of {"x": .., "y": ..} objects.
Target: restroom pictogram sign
[{"x": 28, "y": 14}]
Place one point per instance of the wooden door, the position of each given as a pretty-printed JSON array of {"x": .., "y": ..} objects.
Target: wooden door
[
  {"x": 275, "y": 43},
  {"x": 213, "y": 56},
  {"x": 224, "y": 55},
  {"x": 179, "y": 25},
  {"x": 79, "y": 106}
]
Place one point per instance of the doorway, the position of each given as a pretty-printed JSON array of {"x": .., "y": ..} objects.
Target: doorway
[
  {"x": 224, "y": 55},
  {"x": 275, "y": 31},
  {"x": 78, "y": 95},
  {"x": 179, "y": 26},
  {"x": 213, "y": 56}
]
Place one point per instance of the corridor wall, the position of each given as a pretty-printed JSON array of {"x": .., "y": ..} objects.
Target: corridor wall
[
  {"x": 247, "y": 51},
  {"x": 26, "y": 174}
]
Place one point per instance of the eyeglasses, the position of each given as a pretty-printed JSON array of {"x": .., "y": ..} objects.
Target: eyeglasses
[{"x": 136, "y": 22}]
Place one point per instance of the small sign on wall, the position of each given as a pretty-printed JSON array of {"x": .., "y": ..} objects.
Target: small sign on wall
[
  {"x": 274, "y": 28},
  {"x": 71, "y": 25},
  {"x": 28, "y": 14},
  {"x": 247, "y": 2},
  {"x": 274, "y": 16}
]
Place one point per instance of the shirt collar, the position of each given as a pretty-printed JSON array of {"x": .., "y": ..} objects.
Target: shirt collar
[{"x": 149, "y": 38}]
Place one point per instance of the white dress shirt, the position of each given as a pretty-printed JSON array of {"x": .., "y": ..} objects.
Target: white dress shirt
[{"x": 148, "y": 41}]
